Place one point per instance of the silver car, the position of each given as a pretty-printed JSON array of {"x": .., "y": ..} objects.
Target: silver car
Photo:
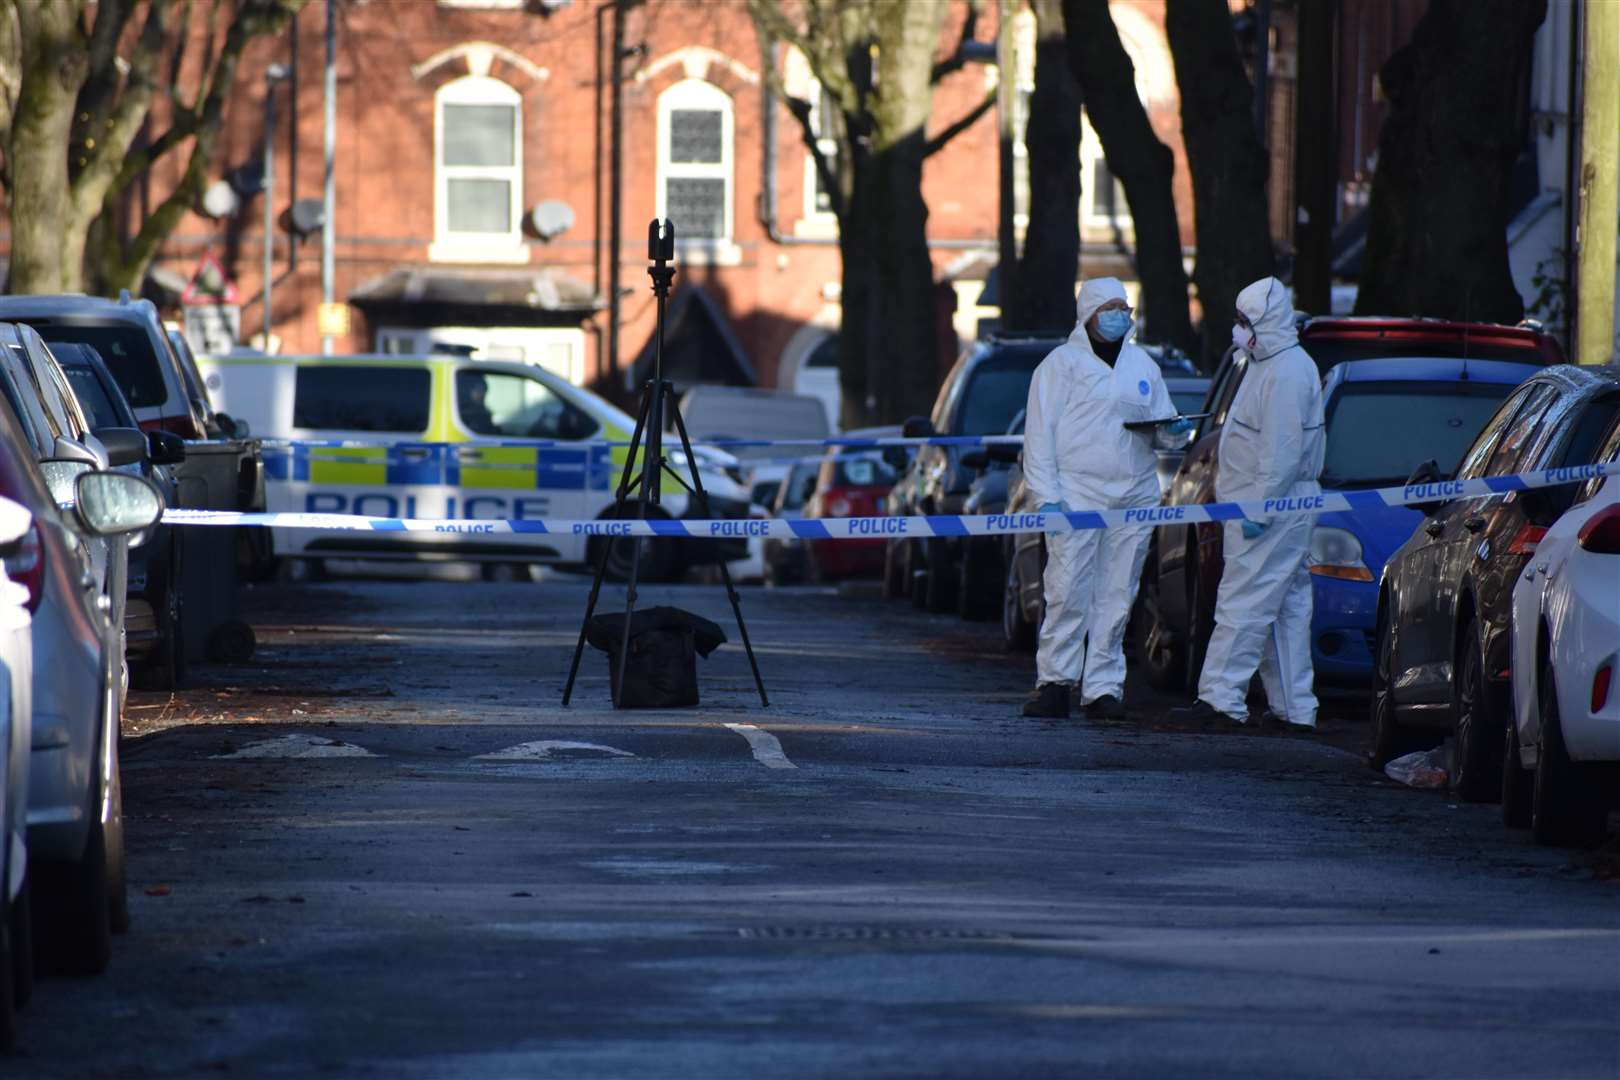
[{"x": 16, "y": 714}]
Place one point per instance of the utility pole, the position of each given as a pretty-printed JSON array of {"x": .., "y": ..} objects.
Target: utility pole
[
  {"x": 1006, "y": 102},
  {"x": 1262, "y": 72},
  {"x": 615, "y": 187},
  {"x": 1599, "y": 185},
  {"x": 273, "y": 75},
  {"x": 1316, "y": 156},
  {"x": 328, "y": 193}
]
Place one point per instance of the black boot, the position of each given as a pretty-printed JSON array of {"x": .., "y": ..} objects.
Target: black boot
[
  {"x": 1050, "y": 701},
  {"x": 1202, "y": 713},
  {"x": 1107, "y": 707}
]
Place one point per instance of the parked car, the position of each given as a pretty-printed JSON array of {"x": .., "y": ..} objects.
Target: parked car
[
  {"x": 785, "y": 556},
  {"x": 983, "y": 562},
  {"x": 716, "y": 413},
  {"x": 75, "y": 802},
  {"x": 1177, "y": 601},
  {"x": 16, "y": 737},
  {"x": 1442, "y": 663},
  {"x": 153, "y": 634},
  {"x": 849, "y": 483},
  {"x": 1187, "y": 392},
  {"x": 434, "y": 428},
  {"x": 980, "y": 396},
  {"x": 1561, "y": 771}
]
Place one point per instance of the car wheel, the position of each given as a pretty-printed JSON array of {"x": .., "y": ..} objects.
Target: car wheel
[
  {"x": 20, "y": 921},
  {"x": 73, "y": 927},
  {"x": 1200, "y": 625},
  {"x": 1474, "y": 772},
  {"x": 1017, "y": 632},
  {"x": 1389, "y": 739},
  {"x": 8, "y": 988},
  {"x": 1158, "y": 652},
  {"x": 1517, "y": 782},
  {"x": 895, "y": 579},
  {"x": 1566, "y": 806},
  {"x": 117, "y": 879},
  {"x": 976, "y": 582},
  {"x": 941, "y": 582},
  {"x": 504, "y": 572},
  {"x": 166, "y": 670},
  {"x": 658, "y": 560}
]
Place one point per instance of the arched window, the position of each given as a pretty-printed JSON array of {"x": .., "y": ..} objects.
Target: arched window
[
  {"x": 478, "y": 172},
  {"x": 695, "y": 165}
]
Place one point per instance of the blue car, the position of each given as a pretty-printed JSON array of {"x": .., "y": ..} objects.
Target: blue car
[{"x": 1384, "y": 418}]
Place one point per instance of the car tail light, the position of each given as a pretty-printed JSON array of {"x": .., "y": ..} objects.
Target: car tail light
[
  {"x": 1601, "y": 534},
  {"x": 182, "y": 426},
  {"x": 1526, "y": 539},
  {"x": 1600, "y": 686},
  {"x": 27, "y": 566},
  {"x": 838, "y": 507}
]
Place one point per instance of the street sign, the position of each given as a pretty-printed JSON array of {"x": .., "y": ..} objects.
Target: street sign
[
  {"x": 332, "y": 320},
  {"x": 209, "y": 286},
  {"x": 213, "y": 329}
]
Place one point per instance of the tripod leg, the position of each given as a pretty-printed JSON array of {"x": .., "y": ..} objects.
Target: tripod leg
[
  {"x": 605, "y": 551},
  {"x": 725, "y": 571}
]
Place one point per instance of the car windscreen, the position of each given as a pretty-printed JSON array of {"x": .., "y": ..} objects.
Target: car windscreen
[
  {"x": 1187, "y": 401},
  {"x": 125, "y": 349},
  {"x": 1377, "y": 433},
  {"x": 997, "y": 389},
  {"x": 369, "y": 398},
  {"x": 862, "y": 470},
  {"x": 93, "y": 398}
]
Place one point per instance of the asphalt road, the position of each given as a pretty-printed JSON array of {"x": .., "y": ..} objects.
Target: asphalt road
[{"x": 383, "y": 849}]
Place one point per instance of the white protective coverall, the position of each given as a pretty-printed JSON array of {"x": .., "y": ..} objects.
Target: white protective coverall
[
  {"x": 1077, "y": 452},
  {"x": 1271, "y": 447}
]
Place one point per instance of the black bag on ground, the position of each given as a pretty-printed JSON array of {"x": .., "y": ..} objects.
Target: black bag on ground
[{"x": 665, "y": 643}]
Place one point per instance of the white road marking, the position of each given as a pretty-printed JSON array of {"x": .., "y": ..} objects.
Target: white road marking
[
  {"x": 767, "y": 748},
  {"x": 542, "y": 750},
  {"x": 298, "y": 746}
]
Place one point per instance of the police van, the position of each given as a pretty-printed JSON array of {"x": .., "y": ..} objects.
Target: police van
[{"x": 433, "y": 437}]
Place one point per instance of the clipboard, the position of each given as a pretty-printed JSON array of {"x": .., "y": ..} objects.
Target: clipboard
[{"x": 1149, "y": 425}]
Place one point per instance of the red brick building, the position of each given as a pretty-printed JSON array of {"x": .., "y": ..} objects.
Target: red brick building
[{"x": 457, "y": 118}]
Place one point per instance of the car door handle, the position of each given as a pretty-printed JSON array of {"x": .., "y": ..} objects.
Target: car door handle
[
  {"x": 1433, "y": 528},
  {"x": 1474, "y": 524},
  {"x": 417, "y": 453}
]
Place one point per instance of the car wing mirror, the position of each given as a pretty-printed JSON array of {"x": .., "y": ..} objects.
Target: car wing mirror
[
  {"x": 918, "y": 427},
  {"x": 116, "y": 504},
  {"x": 124, "y": 446},
  {"x": 165, "y": 448},
  {"x": 1003, "y": 453},
  {"x": 895, "y": 457},
  {"x": 231, "y": 427},
  {"x": 1426, "y": 473},
  {"x": 60, "y": 475},
  {"x": 977, "y": 460}
]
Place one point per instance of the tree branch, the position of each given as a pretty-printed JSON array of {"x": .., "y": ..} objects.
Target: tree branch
[
  {"x": 958, "y": 59},
  {"x": 106, "y": 139},
  {"x": 937, "y": 143}
]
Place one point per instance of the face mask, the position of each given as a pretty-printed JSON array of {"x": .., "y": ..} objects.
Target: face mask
[
  {"x": 1243, "y": 337},
  {"x": 1113, "y": 324}
]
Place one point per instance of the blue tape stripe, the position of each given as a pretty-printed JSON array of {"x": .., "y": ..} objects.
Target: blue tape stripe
[
  {"x": 1506, "y": 483},
  {"x": 1224, "y": 512},
  {"x": 1365, "y": 500},
  {"x": 527, "y": 526},
  {"x": 946, "y": 525},
  {"x": 1086, "y": 519},
  {"x": 809, "y": 529},
  {"x": 668, "y": 527},
  {"x": 383, "y": 525}
]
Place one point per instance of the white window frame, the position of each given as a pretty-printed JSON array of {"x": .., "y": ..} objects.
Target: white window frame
[
  {"x": 700, "y": 94},
  {"x": 469, "y": 247}
]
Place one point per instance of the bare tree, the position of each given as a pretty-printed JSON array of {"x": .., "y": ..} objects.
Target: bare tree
[
  {"x": 1037, "y": 294},
  {"x": 1437, "y": 234},
  {"x": 1226, "y": 159},
  {"x": 1143, "y": 165},
  {"x": 875, "y": 61},
  {"x": 86, "y": 79}
]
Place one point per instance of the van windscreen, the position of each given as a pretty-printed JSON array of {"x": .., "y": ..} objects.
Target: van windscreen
[
  {"x": 124, "y": 348},
  {"x": 370, "y": 398}
]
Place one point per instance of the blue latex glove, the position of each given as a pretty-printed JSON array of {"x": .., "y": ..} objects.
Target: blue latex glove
[
  {"x": 1253, "y": 529},
  {"x": 1053, "y": 508},
  {"x": 1180, "y": 426}
]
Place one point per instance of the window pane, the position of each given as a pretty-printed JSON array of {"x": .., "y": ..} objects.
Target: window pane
[
  {"x": 1107, "y": 194},
  {"x": 479, "y": 135},
  {"x": 483, "y": 206},
  {"x": 93, "y": 398},
  {"x": 127, "y": 352},
  {"x": 696, "y": 206},
  {"x": 695, "y": 136},
  {"x": 370, "y": 398},
  {"x": 517, "y": 407}
]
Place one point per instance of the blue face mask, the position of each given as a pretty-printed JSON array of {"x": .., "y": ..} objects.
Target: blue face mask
[{"x": 1113, "y": 324}]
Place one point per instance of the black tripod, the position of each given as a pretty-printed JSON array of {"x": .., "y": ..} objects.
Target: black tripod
[{"x": 650, "y": 428}]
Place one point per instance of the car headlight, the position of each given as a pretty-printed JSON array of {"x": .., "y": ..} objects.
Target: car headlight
[{"x": 1336, "y": 553}]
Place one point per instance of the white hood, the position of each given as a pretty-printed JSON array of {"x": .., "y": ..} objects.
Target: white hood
[{"x": 1270, "y": 311}]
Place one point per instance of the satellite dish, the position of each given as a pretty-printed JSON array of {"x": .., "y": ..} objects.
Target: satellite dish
[
  {"x": 221, "y": 200},
  {"x": 551, "y": 219},
  {"x": 306, "y": 216}
]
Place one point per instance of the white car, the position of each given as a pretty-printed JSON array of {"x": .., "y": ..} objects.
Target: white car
[
  {"x": 1562, "y": 772},
  {"x": 16, "y": 727}
]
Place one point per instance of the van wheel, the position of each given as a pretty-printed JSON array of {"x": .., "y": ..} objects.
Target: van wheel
[{"x": 658, "y": 559}]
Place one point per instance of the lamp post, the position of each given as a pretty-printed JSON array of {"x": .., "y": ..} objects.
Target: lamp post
[
  {"x": 328, "y": 196},
  {"x": 274, "y": 75}
]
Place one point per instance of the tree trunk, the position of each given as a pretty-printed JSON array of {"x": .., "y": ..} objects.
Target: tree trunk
[
  {"x": 1227, "y": 162},
  {"x": 1437, "y": 231},
  {"x": 1316, "y": 157},
  {"x": 1143, "y": 165},
  {"x": 904, "y": 369},
  {"x": 55, "y": 66},
  {"x": 1041, "y": 297}
]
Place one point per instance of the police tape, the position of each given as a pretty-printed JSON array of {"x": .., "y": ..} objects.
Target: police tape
[
  {"x": 948, "y": 525},
  {"x": 670, "y": 444}
]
